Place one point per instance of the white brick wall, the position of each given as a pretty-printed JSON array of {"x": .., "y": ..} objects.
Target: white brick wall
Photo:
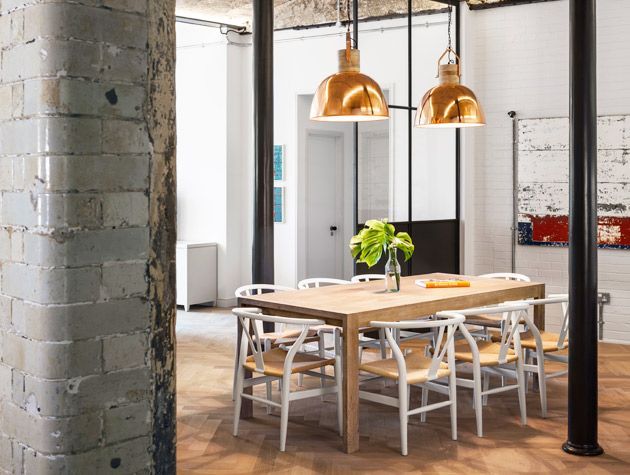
[{"x": 517, "y": 58}]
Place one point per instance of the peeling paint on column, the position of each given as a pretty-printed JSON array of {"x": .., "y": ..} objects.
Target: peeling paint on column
[{"x": 160, "y": 118}]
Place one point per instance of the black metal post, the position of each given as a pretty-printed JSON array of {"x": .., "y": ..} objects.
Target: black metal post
[
  {"x": 458, "y": 154},
  {"x": 355, "y": 137},
  {"x": 582, "y": 417},
  {"x": 409, "y": 127},
  {"x": 262, "y": 252}
]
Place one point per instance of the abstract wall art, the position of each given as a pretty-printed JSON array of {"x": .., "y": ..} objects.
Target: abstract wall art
[
  {"x": 543, "y": 182},
  {"x": 278, "y": 204}
]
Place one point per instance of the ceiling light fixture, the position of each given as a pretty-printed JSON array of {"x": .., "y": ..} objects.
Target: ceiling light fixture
[
  {"x": 449, "y": 104},
  {"x": 349, "y": 95}
]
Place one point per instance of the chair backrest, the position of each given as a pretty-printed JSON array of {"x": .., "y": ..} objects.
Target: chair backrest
[
  {"x": 251, "y": 322},
  {"x": 507, "y": 276},
  {"x": 257, "y": 289},
  {"x": 320, "y": 282},
  {"x": 367, "y": 278},
  {"x": 444, "y": 328},
  {"x": 563, "y": 300},
  {"x": 510, "y": 319}
]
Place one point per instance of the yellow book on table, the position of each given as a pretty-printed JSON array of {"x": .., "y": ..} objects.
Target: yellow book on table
[{"x": 442, "y": 283}]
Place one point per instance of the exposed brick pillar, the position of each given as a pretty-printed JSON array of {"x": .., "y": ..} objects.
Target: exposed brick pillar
[{"x": 87, "y": 236}]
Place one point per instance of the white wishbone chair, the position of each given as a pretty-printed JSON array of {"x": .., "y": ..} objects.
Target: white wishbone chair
[
  {"x": 367, "y": 278},
  {"x": 418, "y": 370},
  {"x": 540, "y": 345},
  {"x": 493, "y": 321},
  {"x": 317, "y": 282},
  {"x": 280, "y": 335},
  {"x": 507, "y": 276},
  {"x": 493, "y": 357},
  {"x": 278, "y": 364}
]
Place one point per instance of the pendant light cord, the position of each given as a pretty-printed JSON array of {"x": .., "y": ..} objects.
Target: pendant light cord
[{"x": 450, "y": 41}]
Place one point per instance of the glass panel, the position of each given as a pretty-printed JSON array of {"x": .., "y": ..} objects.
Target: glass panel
[
  {"x": 383, "y": 169},
  {"x": 433, "y": 174}
]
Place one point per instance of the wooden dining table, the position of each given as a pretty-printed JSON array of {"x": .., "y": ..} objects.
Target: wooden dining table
[{"x": 355, "y": 305}]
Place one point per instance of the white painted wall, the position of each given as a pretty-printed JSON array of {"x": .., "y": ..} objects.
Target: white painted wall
[
  {"x": 517, "y": 58},
  {"x": 214, "y": 149},
  {"x": 201, "y": 76}
]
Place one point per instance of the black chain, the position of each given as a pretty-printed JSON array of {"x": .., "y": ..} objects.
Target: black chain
[{"x": 450, "y": 41}]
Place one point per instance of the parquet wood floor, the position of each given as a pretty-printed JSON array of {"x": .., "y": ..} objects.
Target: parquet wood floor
[{"x": 206, "y": 446}]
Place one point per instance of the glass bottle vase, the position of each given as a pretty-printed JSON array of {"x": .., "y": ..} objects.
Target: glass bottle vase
[{"x": 392, "y": 272}]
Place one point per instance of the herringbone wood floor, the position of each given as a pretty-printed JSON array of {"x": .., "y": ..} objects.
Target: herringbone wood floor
[{"x": 206, "y": 446}]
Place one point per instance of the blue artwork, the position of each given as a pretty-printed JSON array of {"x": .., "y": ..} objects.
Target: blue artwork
[
  {"x": 278, "y": 204},
  {"x": 278, "y": 162}
]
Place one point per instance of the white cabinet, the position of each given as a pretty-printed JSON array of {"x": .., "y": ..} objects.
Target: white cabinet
[{"x": 196, "y": 273}]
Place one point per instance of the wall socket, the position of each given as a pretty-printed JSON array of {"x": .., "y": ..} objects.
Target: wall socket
[{"x": 604, "y": 297}]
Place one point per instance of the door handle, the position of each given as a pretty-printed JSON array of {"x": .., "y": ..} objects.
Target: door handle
[{"x": 333, "y": 228}]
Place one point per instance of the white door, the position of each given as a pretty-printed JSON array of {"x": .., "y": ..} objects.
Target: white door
[{"x": 324, "y": 204}]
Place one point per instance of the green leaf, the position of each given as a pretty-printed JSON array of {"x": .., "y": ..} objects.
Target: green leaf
[
  {"x": 375, "y": 224},
  {"x": 372, "y": 256},
  {"x": 390, "y": 230},
  {"x": 404, "y": 243}
]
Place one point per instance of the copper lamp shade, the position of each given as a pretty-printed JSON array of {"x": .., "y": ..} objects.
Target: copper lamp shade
[
  {"x": 349, "y": 95},
  {"x": 450, "y": 104}
]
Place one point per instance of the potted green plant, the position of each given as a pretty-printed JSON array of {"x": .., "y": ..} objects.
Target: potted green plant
[{"x": 377, "y": 237}]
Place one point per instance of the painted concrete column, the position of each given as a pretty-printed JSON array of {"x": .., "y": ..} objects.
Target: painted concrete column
[{"x": 87, "y": 231}]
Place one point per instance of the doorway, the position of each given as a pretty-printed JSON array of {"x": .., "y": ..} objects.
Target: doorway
[{"x": 324, "y": 204}]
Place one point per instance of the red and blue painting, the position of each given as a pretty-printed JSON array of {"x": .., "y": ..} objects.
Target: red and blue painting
[{"x": 543, "y": 178}]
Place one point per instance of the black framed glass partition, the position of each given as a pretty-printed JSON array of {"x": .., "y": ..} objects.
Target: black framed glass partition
[{"x": 408, "y": 175}]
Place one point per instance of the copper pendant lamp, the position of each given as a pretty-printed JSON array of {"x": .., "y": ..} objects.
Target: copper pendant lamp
[
  {"x": 349, "y": 95},
  {"x": 449, "y": 104}
]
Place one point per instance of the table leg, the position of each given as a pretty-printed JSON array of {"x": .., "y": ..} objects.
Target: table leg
[
  {"x": 539, "y": 310},
  {"x": 350, "y": 387},
  {"x": 247, "y": 405}
]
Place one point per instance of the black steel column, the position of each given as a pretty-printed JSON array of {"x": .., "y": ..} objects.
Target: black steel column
[
  {"x": 262, "y": 255},
  {"x": 582, "y": 417},
  {"x": 355, "y": 141},
  {"x": 409, "y": 127}
]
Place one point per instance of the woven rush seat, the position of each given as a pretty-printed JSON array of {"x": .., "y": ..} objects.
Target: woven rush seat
[
  {"x": 488, "y": 353},
  {"x": 274, "y": 362},
  {"x": 417, "y": 368},
  {"x": 491, "y": 321},
  {"x": 549, "y": 341}
]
